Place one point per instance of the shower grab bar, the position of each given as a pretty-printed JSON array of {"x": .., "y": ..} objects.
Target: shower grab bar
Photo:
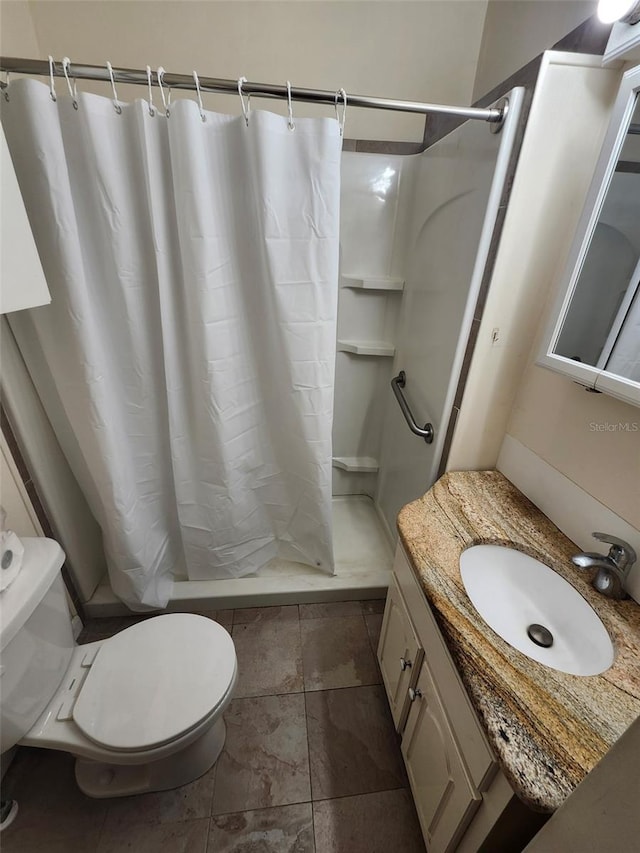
[{"x": 397, "y": 383}]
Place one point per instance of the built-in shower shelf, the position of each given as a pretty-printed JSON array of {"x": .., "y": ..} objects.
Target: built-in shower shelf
[
  {"x": 381, "y": 348},
  {"x": 356, "y": 464},
  {"x": 372, "y": 283}
]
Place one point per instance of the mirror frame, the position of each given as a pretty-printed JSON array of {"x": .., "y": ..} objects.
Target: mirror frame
[{"x": 594, "y": 378}]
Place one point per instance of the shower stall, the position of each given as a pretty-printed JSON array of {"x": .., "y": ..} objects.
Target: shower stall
[{"x": 415, "y": 232}]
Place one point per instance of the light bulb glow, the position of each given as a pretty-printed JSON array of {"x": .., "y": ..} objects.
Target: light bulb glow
[{"x": 612, "y": 10}]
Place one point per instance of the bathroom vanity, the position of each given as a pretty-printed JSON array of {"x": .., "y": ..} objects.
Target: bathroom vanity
[{"x": 493, "y": 741}]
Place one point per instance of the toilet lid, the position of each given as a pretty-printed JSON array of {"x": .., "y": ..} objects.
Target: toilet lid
[{"x": 155, "y": 681}]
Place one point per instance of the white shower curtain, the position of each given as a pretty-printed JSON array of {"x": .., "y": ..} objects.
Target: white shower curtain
[{"x": 187, "y": 357}]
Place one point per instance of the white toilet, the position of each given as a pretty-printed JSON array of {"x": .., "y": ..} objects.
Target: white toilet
[{"x": 141, "y": 711}]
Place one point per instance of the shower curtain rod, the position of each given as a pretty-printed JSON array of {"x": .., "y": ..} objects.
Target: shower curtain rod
[{"x": 40, "y": 67}]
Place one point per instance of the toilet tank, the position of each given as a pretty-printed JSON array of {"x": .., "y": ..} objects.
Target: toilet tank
[{"x": 36, "y": 640}]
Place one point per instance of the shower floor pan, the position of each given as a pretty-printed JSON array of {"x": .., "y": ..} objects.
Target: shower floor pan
[{"x": 363, "y": 557}]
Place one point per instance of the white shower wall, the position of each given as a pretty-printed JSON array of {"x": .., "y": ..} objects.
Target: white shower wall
[
  {"x": 426, "y": 220},
  {"x": 375, "y": 196}
]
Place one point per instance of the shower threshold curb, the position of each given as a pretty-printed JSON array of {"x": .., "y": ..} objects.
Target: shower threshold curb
[{"x": 254, "y": 592}]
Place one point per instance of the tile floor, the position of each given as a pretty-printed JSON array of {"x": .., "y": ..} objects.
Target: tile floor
[{"x": 311, "y": 761}]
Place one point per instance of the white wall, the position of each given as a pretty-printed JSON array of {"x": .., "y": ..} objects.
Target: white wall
[
  {"x": 589, "y": 438},
  {"x": 593, "y": 439},
  {"x": 22, "y": 281},
  {"x": 409, "y": 50},
  {"x": 534, "y": 243},
  {"x": 65, "y": 505},
  {"x": 21, "y": 517},
  {"x": 17, "y": 30},
  {"x": 516, "y": 31},
  {"x": 506, "y": 392}
]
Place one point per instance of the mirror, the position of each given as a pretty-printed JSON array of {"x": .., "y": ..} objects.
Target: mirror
[
  {"x": 595, "y": 333},
  {"x": 599, "y": 325}
]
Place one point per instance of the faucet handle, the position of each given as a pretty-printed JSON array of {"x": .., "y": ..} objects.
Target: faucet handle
[
  {"x": 590, "y": 560},
  {"x": 621, "y": 552}
]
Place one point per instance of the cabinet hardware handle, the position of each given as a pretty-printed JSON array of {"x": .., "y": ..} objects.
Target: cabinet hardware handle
[
  {"x": 415, "y": 694},
  {"x": 405, "y": 664}
]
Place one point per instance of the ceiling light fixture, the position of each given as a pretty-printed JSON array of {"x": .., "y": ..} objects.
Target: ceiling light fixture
[{"x": 627, "y": 11}]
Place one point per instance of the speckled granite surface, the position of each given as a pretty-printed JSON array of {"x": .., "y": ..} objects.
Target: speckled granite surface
[{"x": 547, "y": 728}]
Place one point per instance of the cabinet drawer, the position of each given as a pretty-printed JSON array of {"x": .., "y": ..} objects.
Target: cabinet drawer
[
  {"x": 445, "y": 799},
  {"x": 399, "y": 653}
]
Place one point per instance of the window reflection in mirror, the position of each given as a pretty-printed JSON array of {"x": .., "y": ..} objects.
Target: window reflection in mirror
[{"x": 602, "y": 324}]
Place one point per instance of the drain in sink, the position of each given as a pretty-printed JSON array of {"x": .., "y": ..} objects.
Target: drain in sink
[{"x": 540, "y": 635}]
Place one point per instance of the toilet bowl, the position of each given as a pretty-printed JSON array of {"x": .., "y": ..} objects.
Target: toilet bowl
[{"x": 140, "y": 711}]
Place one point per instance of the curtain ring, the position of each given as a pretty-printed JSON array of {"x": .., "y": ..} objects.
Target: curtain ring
[
  {"x": 116, "y": 104},
  {"x": 52, "y": 85},
  {"x": 246, "y": 107},
  {"x": 73, "y": 91},
  {"x": 166, "y": 102},
  {"x": 197, "y": 83},
  {"x": 152, "y": 110},
  {"x": 341, "y": 93},
  {"x": 290, "y": 122},
  {"x": 5, "y": 87}
]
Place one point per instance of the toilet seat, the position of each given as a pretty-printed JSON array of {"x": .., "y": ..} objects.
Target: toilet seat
[
  {"x": 155, "y": 682},
  {"x": 141, "y": 711}
]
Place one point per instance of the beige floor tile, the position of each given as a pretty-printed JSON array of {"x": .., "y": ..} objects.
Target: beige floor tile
[
  {"x": 373, "y": 621},
  {"x": 373, "y": 605},
  {"x": 336, "y": 652},
  {"x": 265, "y": 614},
  {"x": 284, "y": 829},
  {"x": 186, "y": 803},
  {"x": 265, "y": 760},
  {"x": 102, "y": 628},
  {"x": 53, "y": 812},
  {"x": 32, "y": 841},
  {"x": 384, "y": 822},
  {"x": 222, "y": 617},
  {"x": 353, "y": 747},
  {"x": 93, "y": 636},
  {"x": 261, "y": 785},
  {"x": 269, "y": 657},
  {"x": 182, "y": 837},
  {"x": 330, "y": 608}
]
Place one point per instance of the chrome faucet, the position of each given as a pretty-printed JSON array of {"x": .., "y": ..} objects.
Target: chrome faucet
[{"x": 613, "y": 568}]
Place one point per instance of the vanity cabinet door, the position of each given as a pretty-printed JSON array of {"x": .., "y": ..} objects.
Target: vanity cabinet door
[
  {"x": 444, "y": 798},
  {"x": 399, "y": 653}
]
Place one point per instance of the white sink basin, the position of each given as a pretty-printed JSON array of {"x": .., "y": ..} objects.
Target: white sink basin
[{"x": 512, "y": 591}]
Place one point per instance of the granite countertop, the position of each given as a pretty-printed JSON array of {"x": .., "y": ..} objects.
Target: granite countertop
[{"x": 547, "y": 728}]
